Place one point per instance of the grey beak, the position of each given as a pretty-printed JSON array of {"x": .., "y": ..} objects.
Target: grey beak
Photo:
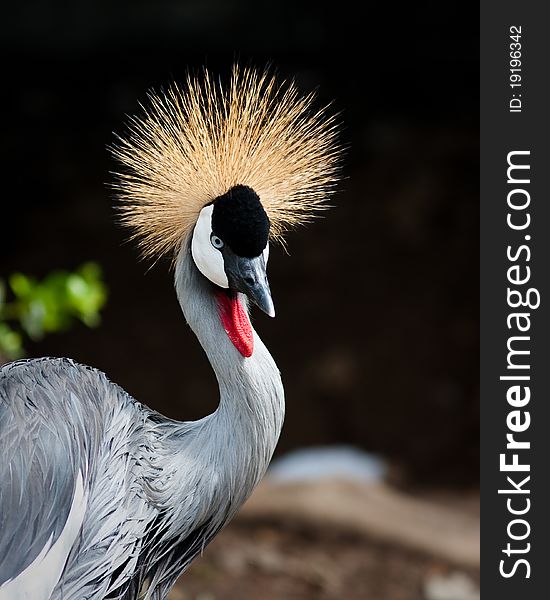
[{"x": 248, "y": 275}]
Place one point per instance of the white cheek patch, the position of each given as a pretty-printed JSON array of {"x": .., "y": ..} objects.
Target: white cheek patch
[
  {"x": 208, "y": 260},
  {"x": 266, "y": 253}
]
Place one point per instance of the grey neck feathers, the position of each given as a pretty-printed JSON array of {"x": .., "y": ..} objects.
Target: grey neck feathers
[{"x": 239, "y": 438}]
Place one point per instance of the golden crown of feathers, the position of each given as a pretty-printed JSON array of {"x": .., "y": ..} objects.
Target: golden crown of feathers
[{"x": 192, "y": 145}]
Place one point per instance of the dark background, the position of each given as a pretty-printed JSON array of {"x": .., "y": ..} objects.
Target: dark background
[{"x": 377, "y": 305}]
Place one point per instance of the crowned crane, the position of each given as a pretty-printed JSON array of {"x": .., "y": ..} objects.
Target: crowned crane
[{"x": 100, "y": 496}]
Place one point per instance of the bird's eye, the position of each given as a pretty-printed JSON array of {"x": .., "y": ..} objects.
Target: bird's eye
[{"x": 216, "y": 241}]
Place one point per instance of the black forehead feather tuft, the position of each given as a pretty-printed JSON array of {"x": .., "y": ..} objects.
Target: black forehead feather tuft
[{"x": 240, "y": 220}]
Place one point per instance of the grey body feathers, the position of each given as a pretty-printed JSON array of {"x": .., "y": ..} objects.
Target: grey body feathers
[{"x": 155, "y": 490}]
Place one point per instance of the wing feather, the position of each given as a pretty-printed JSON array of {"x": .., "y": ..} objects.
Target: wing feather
[
  {"x": 38, "y": 580},
  {"x": 42, "y": 493}
]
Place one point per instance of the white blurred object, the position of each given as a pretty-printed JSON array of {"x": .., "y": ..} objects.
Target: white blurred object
[
  {"x": 456, "y": 586},
  {"x": 323, "y": 462}
]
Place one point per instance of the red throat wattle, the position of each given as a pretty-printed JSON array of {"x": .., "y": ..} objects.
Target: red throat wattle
[{"x": 236, "y": 323}]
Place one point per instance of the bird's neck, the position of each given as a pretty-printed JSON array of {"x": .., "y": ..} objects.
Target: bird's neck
[{"x": 242, "y": 433}]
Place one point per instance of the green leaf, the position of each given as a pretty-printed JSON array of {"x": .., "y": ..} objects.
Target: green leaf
[
  {"x": 32, "y": 318},
  {"x": 11, "y": 343},
  {"x": 52, "y": 305},
  {"x": 21, "y": 285}
]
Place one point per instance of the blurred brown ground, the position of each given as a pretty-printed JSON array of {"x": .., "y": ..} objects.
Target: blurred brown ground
[{"x": 336, "y": 540}]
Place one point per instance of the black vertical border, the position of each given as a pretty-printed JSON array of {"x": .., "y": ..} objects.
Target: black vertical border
[{"x": 502, "y": 132}]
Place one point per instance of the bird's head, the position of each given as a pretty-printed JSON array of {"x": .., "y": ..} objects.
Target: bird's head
[
  {"x": 230, "y": 247},
  {"x": 225, "y": 170}
]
